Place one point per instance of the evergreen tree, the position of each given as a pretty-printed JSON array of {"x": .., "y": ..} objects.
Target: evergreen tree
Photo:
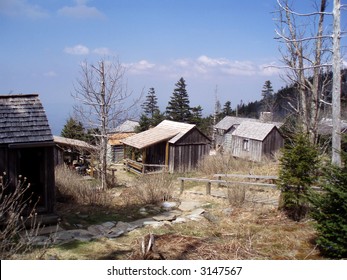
[
  {"x": 298, "y": 172},
  {"x": 150, "y": 106},
  {"x": 330, "y": 211},
  {"x": 73, "y": 129},
  {"x": 268, "y": 99},
  {"x": 227, "y": 111},
  {"x": 178, "y": 108},
  {"x": 196, "y": 116}
]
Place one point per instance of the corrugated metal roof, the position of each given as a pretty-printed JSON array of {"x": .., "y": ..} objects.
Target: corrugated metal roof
[
  {"x": 253, "y": 130},
  {"x": 23, "y": 119},
  {"x": 73, "y": 143},
  {"x": 228, "y": 121},
  {"x": 166, "y": 130}
]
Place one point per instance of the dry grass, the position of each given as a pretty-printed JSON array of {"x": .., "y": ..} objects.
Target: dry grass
[
  {"x": 226, "y": 163},
  {"x": 149, "y": 189},
  {"x": 72, "y": 186}
]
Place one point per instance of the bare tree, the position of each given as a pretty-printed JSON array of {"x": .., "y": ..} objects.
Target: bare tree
[
  {"x": 336, "y": 94},
  {"x": 102, "y": 100},
  {"x": 306, "y": 57}
]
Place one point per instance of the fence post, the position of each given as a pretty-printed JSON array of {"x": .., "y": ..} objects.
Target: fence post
[
  {"x": 219, "y": 178},
  {"x": 208, "y": 188},
  {"x": 182, "y": 186}
]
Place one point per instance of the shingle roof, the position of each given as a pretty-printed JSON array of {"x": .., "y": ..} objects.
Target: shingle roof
[
  {"x": 166, "y": 130},
  {"x": 253, "y": 130},
  {"x": 23, "y": 120},
  {"x": 228, "y": 121},
  {"x": 115, "y": 139}
]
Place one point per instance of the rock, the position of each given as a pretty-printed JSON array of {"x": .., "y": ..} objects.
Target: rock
[
  {"x": 108, "y": 225},
  {"x": 211, "y": 218},
  {"x": 166, "y": 216},
  {"x": 197, "y": 211},
  {"x": 97, "y": 230},
  {"x": 227, "y": 211},
  {"x": 179, "y": 220},
  {"x": 167, "y": 204},
  {"x": 40, "y": 240},
  {"x": 189, "y": 205},
  {"x": 121, "y": 226},
  {"x": 153, "y": 224}
]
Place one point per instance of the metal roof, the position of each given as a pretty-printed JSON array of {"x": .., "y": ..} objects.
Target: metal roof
[
  {"x": 23, "y": 120},
  {"x": 166, "y": 130},
  {"x": 227, "y": 122},
  {"x": 127, "y": 126},
  {"x": 254, "y": 130},
  {"x": 73, "y": 143}
]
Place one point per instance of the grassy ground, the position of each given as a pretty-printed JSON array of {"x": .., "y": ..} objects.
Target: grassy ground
[{"x": 246, "y": 230}]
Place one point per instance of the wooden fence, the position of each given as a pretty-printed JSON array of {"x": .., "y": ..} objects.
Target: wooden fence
[
  {"x": 220, "y": 182},
  {"x": 140, "y": 168}
]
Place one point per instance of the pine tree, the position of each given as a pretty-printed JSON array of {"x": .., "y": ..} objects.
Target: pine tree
[
  {"x": 196, "y": 116},
  {"x": 268, "y": 99},
  {"x": 73, "y": 129},
  {"x": 178, "y": 108},
  {"x": 227, "y": 111},
  {"x": 150, "y": 106}
]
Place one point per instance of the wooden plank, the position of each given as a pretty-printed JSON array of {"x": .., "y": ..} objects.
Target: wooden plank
[{"x": 246, "y": 176}]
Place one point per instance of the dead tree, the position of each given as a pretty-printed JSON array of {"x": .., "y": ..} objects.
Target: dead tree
[
  {"x": 336, "y": 93},
  {"x": 306, "y": 57},
  {"x": 102, "y": 99}
]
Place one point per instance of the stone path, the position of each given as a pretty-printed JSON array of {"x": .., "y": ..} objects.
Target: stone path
[{"x": 173, "y": 213}]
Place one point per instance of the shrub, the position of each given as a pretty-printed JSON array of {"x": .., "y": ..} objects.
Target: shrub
[
  {"x": 71, "y": 186},
  {"x": 330, "y": 212},
  {"x": 236, "y": 195},
  {"x": 17, "y": 212},
  {"x": 151, "y": 189},
  {"x": 298, "y": 172}
]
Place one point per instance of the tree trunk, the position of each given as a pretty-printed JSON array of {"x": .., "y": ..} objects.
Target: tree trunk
[{"x": 336, "y": 95}]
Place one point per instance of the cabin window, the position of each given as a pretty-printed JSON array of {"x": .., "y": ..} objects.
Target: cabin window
[{"x": 246, "y": 145}]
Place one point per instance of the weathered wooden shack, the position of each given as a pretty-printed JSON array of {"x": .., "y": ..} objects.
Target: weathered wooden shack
[
  {"x": 177, "y": 146},
  {"x": 224, "y": 130},
  {"x": 68, "y": 150},
  {"x": 256, "y": 141},
  {"x": 115, "y": 146},
  {"x": 27, "y": 147}
]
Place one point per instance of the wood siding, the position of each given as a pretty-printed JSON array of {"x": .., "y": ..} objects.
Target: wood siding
[
  {"x": 257, "y": 150},
  {"x": 186, "y": 153}
]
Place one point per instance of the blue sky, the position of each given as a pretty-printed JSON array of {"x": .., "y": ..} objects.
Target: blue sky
[{"x": 209, "y": 43}]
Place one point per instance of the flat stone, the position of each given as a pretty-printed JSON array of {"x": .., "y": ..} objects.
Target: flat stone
[
  {"x": 194, "y": 217},
  {"x": 49, "y": 230},
  {"x": 140, "y": 222},
  {"x": 97, "y": 230},
  {"x": 153, "y": 224},
  {"x": 40, "y": 240},
  {"x": 108, "y": 225},
  {"x": 166, "y": 216},
  {"x": 121, "y": 226},
  {"x": 114, "y": 233},
  {"x": 167, "y": 204},
  {"x": 189, "y": 205},
  {"x": 179, "y": 220},
  {"x": 197, "y": 211}
]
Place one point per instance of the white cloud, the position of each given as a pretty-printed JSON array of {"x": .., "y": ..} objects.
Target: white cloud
[
  {"x": 21, "y": 8},
  {"x": 141, "y": 66},
  {"x": 81, "y": 11},
  {"x": 77, "y": 50},
  {"x": 102, "y": 51}
]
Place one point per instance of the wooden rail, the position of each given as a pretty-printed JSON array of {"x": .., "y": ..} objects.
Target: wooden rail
[
  {"x": 225, "y": 182},
  {"x": 140, "y": 168}
]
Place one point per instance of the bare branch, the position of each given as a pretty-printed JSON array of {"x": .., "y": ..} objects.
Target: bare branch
[{"x": 288, "y": 10}]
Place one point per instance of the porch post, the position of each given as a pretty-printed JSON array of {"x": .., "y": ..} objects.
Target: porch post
[{"x": 167, "y": 154}]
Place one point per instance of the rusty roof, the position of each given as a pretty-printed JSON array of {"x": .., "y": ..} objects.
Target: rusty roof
[
  {"x": 115, "y": 139},
  {"x": 165, "y": 131}
]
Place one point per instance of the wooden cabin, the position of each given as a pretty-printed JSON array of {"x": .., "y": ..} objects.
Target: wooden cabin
[
  {"x": 224, "y": 130},
  {"x": 176, "y": 146},
  {"x": 256, "y": 141},
  {"x": 115, "y": 149},
  {"x": 27, "y": 147},
  {"x": 68, "y": 150}
]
